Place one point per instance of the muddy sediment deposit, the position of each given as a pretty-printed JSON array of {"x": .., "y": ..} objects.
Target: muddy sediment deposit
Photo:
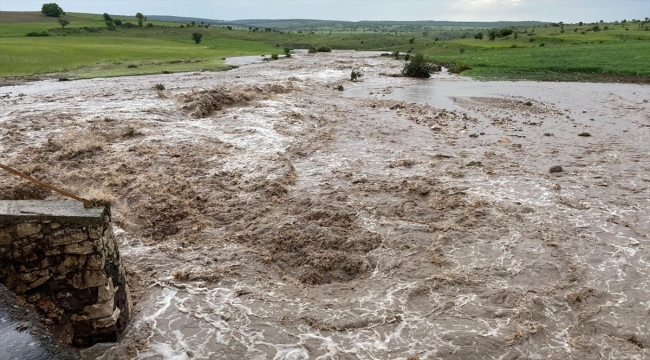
[{"x": 261, "y": 213}]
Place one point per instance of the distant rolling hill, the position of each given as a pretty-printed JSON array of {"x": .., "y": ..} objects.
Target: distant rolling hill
[
  {"x": 294, "y": 24},
  {"x": 183, "y": 19}
]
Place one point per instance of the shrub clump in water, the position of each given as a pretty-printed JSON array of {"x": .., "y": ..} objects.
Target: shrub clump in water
[
  {"x": 320, "y": 48},
  {"x": 356, "y": 74},
  {"x": 418, "y": 67}
]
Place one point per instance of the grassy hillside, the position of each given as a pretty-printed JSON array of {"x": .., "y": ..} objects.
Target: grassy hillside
[{"x": 87, "y": 48}]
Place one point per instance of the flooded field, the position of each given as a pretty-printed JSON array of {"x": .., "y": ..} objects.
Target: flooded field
[{"x": 264, "y": 214}]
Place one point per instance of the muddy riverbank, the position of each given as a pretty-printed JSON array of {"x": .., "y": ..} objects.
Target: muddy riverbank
[{"x": 264, "y": 214}]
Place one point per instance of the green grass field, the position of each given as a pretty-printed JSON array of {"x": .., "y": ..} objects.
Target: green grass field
[
  {"x": 86, "y": 48},
  {"x": 559, "y": 58}
]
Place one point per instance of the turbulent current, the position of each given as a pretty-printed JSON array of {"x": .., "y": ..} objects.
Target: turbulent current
[{"x": 263, "y": 213}]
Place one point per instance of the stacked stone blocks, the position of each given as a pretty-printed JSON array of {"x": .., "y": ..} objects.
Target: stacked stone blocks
[{"x": 63, "y": 260}]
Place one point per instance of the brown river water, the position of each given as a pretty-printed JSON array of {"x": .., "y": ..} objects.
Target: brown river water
[{"x": 264, "y": 214}]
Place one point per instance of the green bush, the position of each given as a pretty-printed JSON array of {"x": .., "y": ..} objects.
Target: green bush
[
  {"x": 418, "y": 67},
  {"x": 396, "y": 54},
  {"x": 287, "y": 52},
  {"x": 479, "y": 36},
  {"x": 505, "y": 32},
  {"x": 159, "y": 87},
  {"x": 320, "y": 48},
  {"x": 274, "y": 56},
  {"x": 117, "y": 22},
  {"x": 197, "y": 37},
  {"x": 36, "y": 33}
]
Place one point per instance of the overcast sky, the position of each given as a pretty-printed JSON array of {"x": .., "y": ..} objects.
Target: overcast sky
[{"x": 455, "y": 10}]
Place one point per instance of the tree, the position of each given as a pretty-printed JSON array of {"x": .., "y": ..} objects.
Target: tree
[
  {"x": 63, "y": 23},
  {"x": 140, "y": 18},
  {"x": 492, "y": 34},
  {"x": 197, "y": 37},
  {"x": 193, "y": 23},
  {"x": 411, "y": 40},
  {"x": 478, "y": 36},
  {"x": 505, "y": 32},
  {"x": 287, "y": 52},
  {"x": 117, "y": 22},
  {"x": 52, "y": 9},
  {"x": 107, "y": 17},
  {"x": 110, "y": 25},
  {"x": 580, "y": 23}
]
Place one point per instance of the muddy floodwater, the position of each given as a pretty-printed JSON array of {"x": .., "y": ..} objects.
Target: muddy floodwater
[{"x": 264, "y": 214}]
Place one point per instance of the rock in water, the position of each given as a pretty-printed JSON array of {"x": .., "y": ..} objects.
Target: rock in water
[{"x": 556, "y": 169}]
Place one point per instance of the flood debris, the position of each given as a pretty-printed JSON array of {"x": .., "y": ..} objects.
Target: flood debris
[{"x": 202, "y": 103}]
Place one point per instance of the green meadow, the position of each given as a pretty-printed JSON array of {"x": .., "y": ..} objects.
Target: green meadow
[{"x": 537, "y": 51}]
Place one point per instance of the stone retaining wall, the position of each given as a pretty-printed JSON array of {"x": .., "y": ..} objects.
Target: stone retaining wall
[{"x": 63, "y": 260}]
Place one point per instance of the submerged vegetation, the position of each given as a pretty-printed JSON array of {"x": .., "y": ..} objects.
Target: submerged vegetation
[{"x": 419, "y": 67}]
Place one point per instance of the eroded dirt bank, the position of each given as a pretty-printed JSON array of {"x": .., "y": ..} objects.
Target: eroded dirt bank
[{"x": 264, "y": 214}]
